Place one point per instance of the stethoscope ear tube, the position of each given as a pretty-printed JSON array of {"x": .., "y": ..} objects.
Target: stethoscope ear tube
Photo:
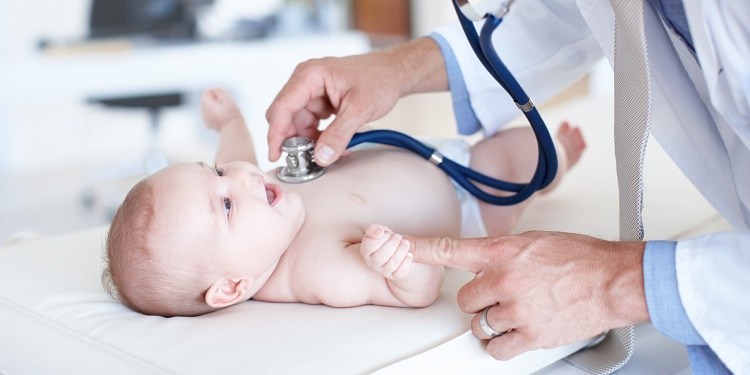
[{"x": 485, "y": 51}]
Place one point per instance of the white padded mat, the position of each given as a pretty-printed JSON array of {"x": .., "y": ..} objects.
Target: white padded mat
[{"x": 56, "y": 319}]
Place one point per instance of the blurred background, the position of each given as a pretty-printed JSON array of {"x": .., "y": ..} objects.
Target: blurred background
[{"x": 98, "y": 93}]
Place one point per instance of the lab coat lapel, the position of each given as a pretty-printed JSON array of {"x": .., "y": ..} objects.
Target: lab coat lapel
[
  {"x": 680, "y": 120},
  {"x": 682, "y": 123}
]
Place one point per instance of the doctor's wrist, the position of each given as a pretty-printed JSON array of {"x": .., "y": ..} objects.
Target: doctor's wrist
[
  {"x": 421, "y": 66},
  {"x": 625, "y": 294}
]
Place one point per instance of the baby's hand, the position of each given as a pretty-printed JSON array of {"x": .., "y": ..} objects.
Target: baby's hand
[
  {"x": 219, "y": 109},
  {"x": 386, "y": 252}
]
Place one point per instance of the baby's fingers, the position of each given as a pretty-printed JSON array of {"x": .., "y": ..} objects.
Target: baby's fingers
[
  {"x": 400, "y": 263},
  {"x": 384, "y": 254},
  {"x": 405, "y": 268},
  {"x": 375, "y": 237}
]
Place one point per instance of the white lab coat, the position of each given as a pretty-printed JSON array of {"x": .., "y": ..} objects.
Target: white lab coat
[{"x": 550, "y": 44}]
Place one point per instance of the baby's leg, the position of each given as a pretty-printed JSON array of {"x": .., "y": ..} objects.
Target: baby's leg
[{"x": 511, "y": 155}]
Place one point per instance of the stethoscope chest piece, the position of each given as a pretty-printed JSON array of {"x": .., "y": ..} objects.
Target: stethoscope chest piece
[{"x": 300, "y": 165}]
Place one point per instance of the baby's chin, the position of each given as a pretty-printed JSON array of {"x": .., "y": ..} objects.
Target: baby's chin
[{"x": 300, "y": 213}]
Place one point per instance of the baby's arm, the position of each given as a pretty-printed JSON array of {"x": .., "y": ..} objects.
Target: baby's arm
[
  {"x": 388, "y": 253},
  {"x": 221, "y": 113}
]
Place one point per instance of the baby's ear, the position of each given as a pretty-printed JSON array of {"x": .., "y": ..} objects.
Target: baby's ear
[{"x": 228, "y": 291}]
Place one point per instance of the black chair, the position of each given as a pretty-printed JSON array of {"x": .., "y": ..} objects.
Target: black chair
[
  {"x": 159, "y": 19},
  {"x": 154, "y": 104}
]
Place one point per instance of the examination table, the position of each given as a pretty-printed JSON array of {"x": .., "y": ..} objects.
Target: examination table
[{"x": 55, "y": 318}]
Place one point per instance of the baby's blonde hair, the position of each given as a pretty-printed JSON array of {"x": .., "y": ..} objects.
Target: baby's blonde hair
[{"x": 134, "y": 276}]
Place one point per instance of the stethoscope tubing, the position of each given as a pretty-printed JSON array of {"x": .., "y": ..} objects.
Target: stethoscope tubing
[{"x": 464, "y": 176}]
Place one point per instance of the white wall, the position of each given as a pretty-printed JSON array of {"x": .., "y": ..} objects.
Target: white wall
[
  {"x": 46, "y": 124},
  {"x": 429, "y": 14},
  {"x": 22, "y": 24}
]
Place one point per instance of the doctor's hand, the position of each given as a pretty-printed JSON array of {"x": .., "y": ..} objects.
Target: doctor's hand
[
  {"x": 356, "y": 89},
  {"x": 545, "y": 289}
]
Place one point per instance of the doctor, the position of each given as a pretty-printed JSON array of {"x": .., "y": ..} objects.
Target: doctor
[{"x": 695, "y": 291}]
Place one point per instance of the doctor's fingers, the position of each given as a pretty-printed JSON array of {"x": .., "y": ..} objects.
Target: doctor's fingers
[
  {"x": 496, "y": 319},
  {"x": 305, "y": 123},
  {"x": 511, "y": 341},
  {"x": 486, "y": 289},
  {"x": 510, "y": 345},
  {"x": 305, "y": 86},
  {"x": 468, "y": 254},
  {"x": 353, "y": 112}
]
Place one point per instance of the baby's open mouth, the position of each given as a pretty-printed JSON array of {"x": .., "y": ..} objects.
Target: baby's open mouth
[{"x": 272, "y": 194}]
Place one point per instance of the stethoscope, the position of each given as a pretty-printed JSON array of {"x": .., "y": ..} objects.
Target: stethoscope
[{"x": 301, "y": 166}]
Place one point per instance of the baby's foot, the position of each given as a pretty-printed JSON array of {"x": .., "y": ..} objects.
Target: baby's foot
[
  {"x": 218, "y": 108},
  {"x": 386, "y": 252},
  {"x": 572, "y": 142}
]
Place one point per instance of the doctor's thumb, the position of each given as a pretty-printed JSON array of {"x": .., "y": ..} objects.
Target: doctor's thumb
[
  {"x": 465, "y": 254},
  {"x": 333, "y": 140}
]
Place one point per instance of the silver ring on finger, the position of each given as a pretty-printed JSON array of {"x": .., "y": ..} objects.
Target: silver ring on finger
[{"x": 485, "y": 325}]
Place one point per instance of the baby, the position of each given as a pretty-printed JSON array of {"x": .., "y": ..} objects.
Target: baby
[{"x": 194, "y": 238}]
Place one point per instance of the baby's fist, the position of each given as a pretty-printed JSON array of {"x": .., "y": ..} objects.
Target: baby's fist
[{"x": 386, "y": 252}]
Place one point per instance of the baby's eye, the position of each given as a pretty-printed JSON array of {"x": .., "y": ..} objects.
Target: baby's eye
[
  {"x": 227, "y": 206},
  {"x": 219, "y": 171}
]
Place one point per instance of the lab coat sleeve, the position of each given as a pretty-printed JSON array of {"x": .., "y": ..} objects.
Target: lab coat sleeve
[
  {"x": 547, "y": 46},
  {"x": 713, "y": 279}
]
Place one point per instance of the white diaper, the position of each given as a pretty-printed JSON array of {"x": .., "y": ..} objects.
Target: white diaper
[{"x": 459, "y": 151}]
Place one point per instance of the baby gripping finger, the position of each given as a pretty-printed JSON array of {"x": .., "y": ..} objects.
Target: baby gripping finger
[{"x": 386, "y": 252}]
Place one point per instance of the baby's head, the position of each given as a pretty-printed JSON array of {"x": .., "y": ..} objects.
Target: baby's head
[{"x": 193, "y": 238}]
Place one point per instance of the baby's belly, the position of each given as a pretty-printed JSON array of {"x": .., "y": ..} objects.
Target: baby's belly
[{"x": 392, "y": 188}]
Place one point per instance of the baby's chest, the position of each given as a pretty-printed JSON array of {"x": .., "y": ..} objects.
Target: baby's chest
[{"x": 331, "y": 273}]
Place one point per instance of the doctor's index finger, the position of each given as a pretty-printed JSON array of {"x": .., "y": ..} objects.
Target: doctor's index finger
[
  {"x": 303, "y": 87},
  {"x": 468, "y": 254}
]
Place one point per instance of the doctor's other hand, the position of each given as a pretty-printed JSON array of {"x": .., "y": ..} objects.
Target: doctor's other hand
[
  {"x": 546, "y": 289},
  {"x": 356, "y": 89}
]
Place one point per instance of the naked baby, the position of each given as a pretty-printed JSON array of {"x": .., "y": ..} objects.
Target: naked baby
[{"x": 194, "y": 238}]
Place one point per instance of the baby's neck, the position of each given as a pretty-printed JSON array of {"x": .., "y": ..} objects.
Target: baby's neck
[{"x": 275, "y": 284}]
